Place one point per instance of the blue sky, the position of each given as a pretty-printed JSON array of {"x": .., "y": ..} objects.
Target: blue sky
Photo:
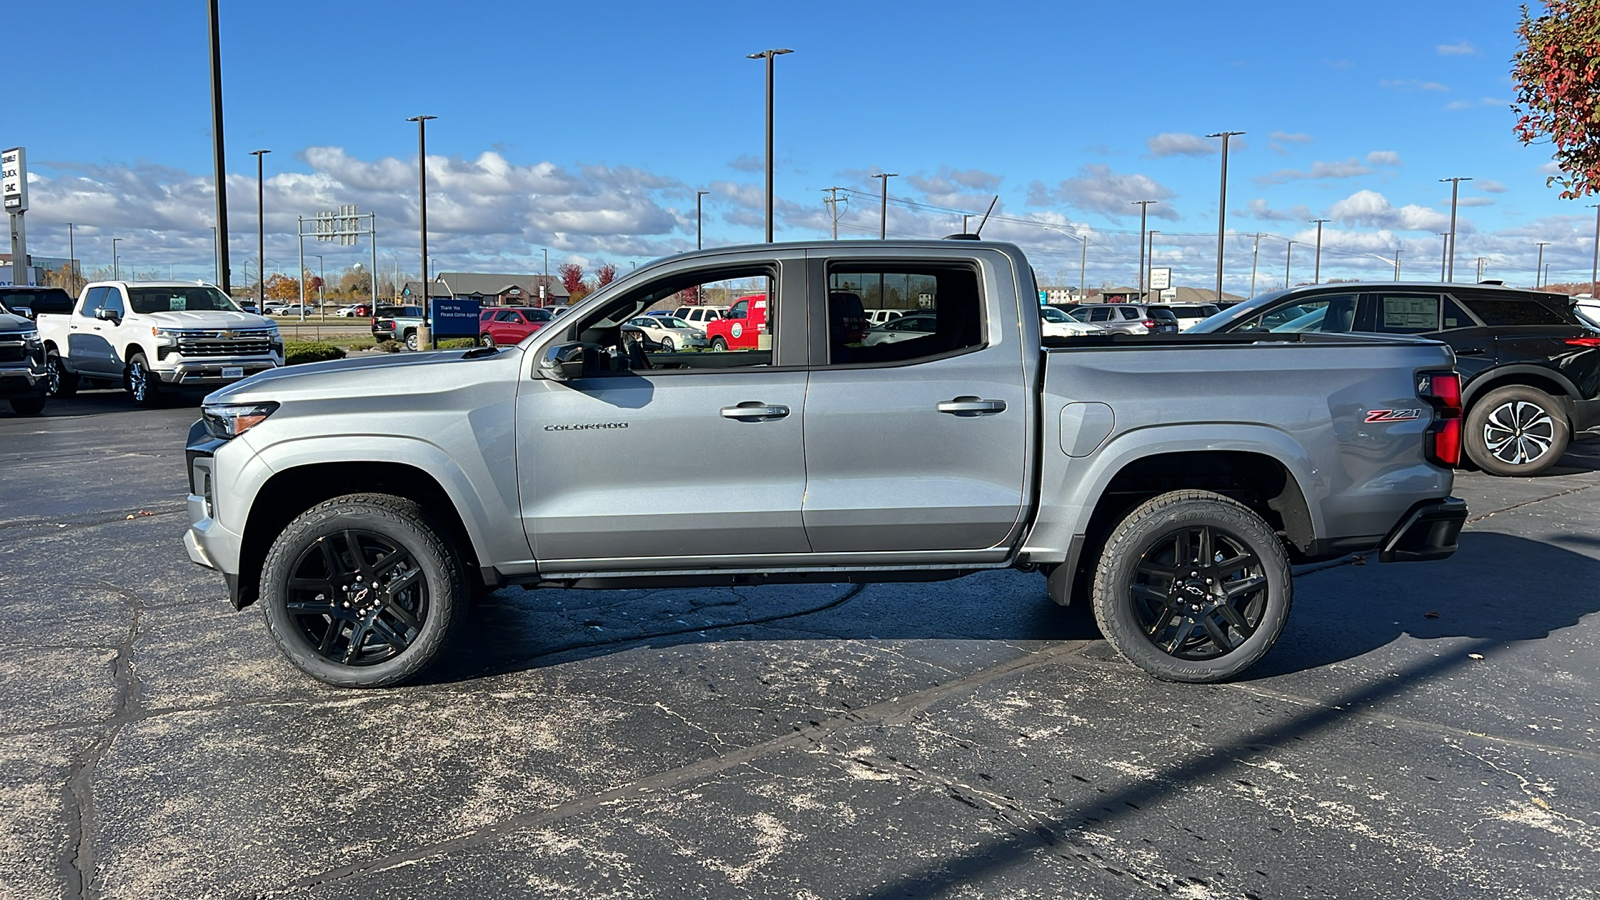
[{"x": 587, "y": 129}]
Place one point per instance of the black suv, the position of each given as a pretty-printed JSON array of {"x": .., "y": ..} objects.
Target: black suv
[
  {"x": 1530, "y": 367},
  {"x": 24, "y": 376}
]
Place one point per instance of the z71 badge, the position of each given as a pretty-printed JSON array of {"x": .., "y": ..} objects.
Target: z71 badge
[{"x": 1393, "y": 415}]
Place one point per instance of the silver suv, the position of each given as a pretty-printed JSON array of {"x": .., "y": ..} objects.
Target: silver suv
[{"x": 1126, "y": 318}]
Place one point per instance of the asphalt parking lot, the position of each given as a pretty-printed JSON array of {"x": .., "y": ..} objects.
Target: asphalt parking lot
[{"x": 1424, "y": 730}]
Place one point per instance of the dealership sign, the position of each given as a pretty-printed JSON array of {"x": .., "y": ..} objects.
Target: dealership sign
[{"x": 14, "y": 179}]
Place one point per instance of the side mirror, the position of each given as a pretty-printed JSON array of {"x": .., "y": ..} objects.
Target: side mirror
[
  {"x": 108, "y": 315},
  {"x": 563, "y": 362},
  {"x": 24, "y": 311}
]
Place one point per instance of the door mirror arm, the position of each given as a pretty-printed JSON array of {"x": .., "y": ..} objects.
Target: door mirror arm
[
  {"x": 563, "y": 362},
  {"x": 108, "y": 315}
]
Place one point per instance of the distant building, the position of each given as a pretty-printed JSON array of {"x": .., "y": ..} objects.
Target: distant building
[
  {"x": 1054, "y": 296},
  {"x": 491, "y": 289},
  {"x": 411, "y": 292}
]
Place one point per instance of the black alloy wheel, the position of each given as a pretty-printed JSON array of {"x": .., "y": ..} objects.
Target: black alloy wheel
[
  {"x": 360, "y": 591},
  {"x": 60, "y": 383},
  {"x": 1193, "y": 587}
]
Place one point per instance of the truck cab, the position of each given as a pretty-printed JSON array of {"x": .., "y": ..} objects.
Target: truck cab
[{"x": 742, "y": 327}]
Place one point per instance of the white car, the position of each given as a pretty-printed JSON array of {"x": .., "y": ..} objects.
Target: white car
[
  {"x": 699, "y": 316},
  {"x": 1055, "y": 323},
  {"x": 876, "y": 317},
  {"x": 902, "y": 328},
  {"x": 294, "y": 310},
  {"x": 1588, "y": 308},
  {"x": 348, "y": 312},
  {"x": 670, "y": 332}
]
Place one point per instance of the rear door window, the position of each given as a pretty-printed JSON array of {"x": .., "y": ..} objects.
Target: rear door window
[
  {"x": 943, "y": 309},
  {"x": 1407, "y": 313}
]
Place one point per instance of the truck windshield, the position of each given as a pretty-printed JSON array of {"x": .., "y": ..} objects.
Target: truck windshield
[{"x": 179, "y": 299}]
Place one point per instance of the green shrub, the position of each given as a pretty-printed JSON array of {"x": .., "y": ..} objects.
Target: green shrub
[
  {"x": 458, "y": 344},
  {"x": 296, "y": 352},
  {"x": 389, "y": 346}
]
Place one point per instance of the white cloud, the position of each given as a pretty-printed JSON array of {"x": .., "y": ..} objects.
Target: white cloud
[
  {"x": 1098, "y": 189},
  {"x": 1288, "y": 138},
  {"x": 1490, "y": 186},
  {"x": 960, "y": 189},
  {"x": 1348, "y": 168},
  {"x": 1412, "y": 84},
  {"x": 1458, "y": 104},
  {"x": 1460, "y": 48},
  {"x": 1383, "y": 158},
  {"x": 748, "y": 163},
  {"x": 1259, "y": 209},
  {"x": 1474, "y": 201},
  {"x": 1371, "y": 209},
  {"x": 1178, "y": 144}
]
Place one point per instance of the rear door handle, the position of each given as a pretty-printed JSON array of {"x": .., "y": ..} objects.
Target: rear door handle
[
  {"x": 971, "y": 406},
  {"x": 754, "y": 410},
  {"x": 1471, "y": 351}
]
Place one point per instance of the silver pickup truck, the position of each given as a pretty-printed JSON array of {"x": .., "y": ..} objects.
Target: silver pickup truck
[{"x": 1169, "y": 481}]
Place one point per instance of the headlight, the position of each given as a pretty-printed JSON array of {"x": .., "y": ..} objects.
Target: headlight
[
  {"x": 31, "y": 338},
  {"x": 164, "y": 337},
  {"x": 226, "y": 421},
  {"x": 698, "y": 335}
]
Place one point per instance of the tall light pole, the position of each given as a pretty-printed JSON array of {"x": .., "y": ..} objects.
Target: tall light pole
[
  {"x": 1150, "y": 248},
  {"x": 1222, "y": 204},
  {"x": 422, "y": 196},
  {"x": 1594, "y": 274},
  {"x": 215, "y": 260},
  {"x": 221, "y": 187},
  {"x": 1083, "y": 266},
  {"x": 769, "y": 56},
  {"x": 1444, "y": 253},
  {"x": 1455, "y": 191},
  {"x": 1397, "y": 265},
  {"x": 883, "y": 226},
  {"x": 1480, "y": 268},
  {"x": 545, "y": 288},
  {"x": 261, "y": 232},
  {"x": 1144, "y": 208},
  {"x": 72, "y": 263},
  {"x": 1255, "y": 257},
  {"x": 1288, "y": 261},
  {"x": 699, "y": 243},
  {"x": 1316, "y": 277},
  {"x": 116, "y": 268},
  {"x": 322, "y": 285},
  {"x": 1539, "y": 267}
]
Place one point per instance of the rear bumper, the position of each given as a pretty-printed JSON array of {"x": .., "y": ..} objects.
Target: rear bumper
[
  {"x": 1585, "y": 415},
  {"x": 1428, "y": 531}
]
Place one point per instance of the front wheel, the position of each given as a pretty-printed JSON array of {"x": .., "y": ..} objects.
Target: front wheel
[
  {"x": 361, "y": 591},
  {"x": 718, "y": 344},
  {"x": 667, "y": 346},
  {"x": 27, "y": 406},
  {"x": 1516, "y": 430},
  {"x": 1193, "y": 586},
  {"x": 140, "y": 382},
  {"x": 60, "y": 382},
  {"x": 487, "y": 339}
]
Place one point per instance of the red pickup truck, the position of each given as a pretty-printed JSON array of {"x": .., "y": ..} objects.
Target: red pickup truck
[
  {"x": 742, "y": 327},
  {"x": 507, "y": 326}
]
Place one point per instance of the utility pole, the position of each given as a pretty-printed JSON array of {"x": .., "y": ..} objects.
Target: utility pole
[
  {"x": 1539, "y": 266},
  {"x": 1083, "y": 266},
  {"x": 1450, "y": 251},
  {"x": 1144, "y": 209},
  {"x": 1288, "y": 260},
  {"x": 883, "y": 227},
  {"x": 698, "y": 240},
  {"x": 221, "y": 185},
  {"x": 1444, "y": 253},
  {"x": 833, "y": 206},
  {"x": 1150, "y": 252},
  {"x": 261, "y": 234},
  {"x": 1316, "y": 276},
  {"x": 1594, "y": 274},
  {"x": 425, "y": 331},
  {"x": 1397, "y": 265},
  {"x": 1480, "y": 268},
  {"x": 769, "y": 56},
  {"x": 1222, "y": 203},
  {"x": 1255, "y": 257}
]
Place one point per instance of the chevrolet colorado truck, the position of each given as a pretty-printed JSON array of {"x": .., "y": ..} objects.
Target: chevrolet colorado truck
[
  {"x": 156, "y": 336},
  {"x": 1168, "y": 481}
]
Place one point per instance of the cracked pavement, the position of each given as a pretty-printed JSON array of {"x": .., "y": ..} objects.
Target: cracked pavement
[{"x": 1426, "y": 730}]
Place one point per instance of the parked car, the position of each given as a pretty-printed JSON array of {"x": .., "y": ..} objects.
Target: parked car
[
  {"x": 877, "y": 317},
  {"x": 508, "y": 325},
  {"x": 1530, "y": 365},
  {"x": 699, "y": 316},
  {"x": 741, "y": 327},
  {"x": 1055, "y": 323},
  {"x": 1126, "y": 318},
  {"x": 398, "y": 323},
  {"x": 671, "y": 332},
  {"x": 295, "y": 309},
  {"x": 901, "y": 328},
  {"x": 1588, "y": 308},
  {"x": 1189, "y": 314}
]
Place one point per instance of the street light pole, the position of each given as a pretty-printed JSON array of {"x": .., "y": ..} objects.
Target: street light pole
[
  {"x": 1144, "y": 208},
  {"x": 322, "y": 285},
  {"x": 1083, "y": 266},
  {"x": 1255, "y": 257},
  {"x": 1397, "y": 265},
  {"x": 1455, "y": 191},
  {"x": 769, "y": 56},
  {"x": 1594, "y": 274},
  {"x": 1288, "y": 261},
  {"x": 116, "y": 269},
  {"x": 1222, "y": 204},
  {"x": 1316, "y": 277},
  {"x": 1150, "y": 245},
  {"x": 218, "y": 158},
  {"x": 698, "y": 241},
  {"x": 883, "y": 227},
  {"x": 72, "y": 263},
  {"x": 1539, "y": 267},
  {"x": 261, "y": 232},
  {"x": 1444, "y": 253},
  {"x": 422, "y": 197},
  {"x": 1480, "y": 268}
]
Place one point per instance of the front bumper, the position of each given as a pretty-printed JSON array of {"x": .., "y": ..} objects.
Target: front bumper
[
  {"x": 1428, "y": 531},
  {"x": 198, "y": 373},
  {"x": 23, "y": 380},
  {"x": 209, "y": 543}
]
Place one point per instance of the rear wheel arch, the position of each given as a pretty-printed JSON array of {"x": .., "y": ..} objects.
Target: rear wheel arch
[
  {"x": 292, "y": 491},
  {"x": 1550, "y": 383}
]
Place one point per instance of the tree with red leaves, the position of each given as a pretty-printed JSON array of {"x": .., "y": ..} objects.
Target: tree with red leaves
[
  {"x": 1557, "y": 75},
  {"x": 604, "y": 274},
  {"x": 572, "y": 279}
]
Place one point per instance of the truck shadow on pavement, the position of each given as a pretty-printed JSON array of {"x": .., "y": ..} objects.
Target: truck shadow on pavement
[
  {"x": 1497, "y": 588},
  {"x": 1583, "y": 455}
]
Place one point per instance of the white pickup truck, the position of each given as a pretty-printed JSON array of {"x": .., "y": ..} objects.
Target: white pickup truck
[{"x": 150, "y": 336}]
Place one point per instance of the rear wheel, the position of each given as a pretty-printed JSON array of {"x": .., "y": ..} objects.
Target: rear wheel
[
  {"x": 62, "y": 383},
  {"x": 411, "y": 340},
  {"x": 1193, "y": 586},
  {"x": 140, "y": 382},
  {"x": 487, "y": 339},
  {"x": 361, "y": 591},
  {"x": 1516, "y": 430}
]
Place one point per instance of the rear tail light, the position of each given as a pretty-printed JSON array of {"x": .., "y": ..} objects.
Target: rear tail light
[
  {"x": 1442, "y": 443},
  {"x": 1584, "y": 342},
  {"x": 1149, "y": 323}
]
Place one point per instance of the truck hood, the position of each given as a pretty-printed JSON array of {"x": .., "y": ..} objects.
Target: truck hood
[
  {"x": 11, "y": 323},
  {"x": 368, "y": 375},
  {"x": 207, "y": 320}
]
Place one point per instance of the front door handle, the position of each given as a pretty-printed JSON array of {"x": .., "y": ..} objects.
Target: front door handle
[
  {"x": 971, "y": 406},
  {"x": 754, "y": 410}
]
